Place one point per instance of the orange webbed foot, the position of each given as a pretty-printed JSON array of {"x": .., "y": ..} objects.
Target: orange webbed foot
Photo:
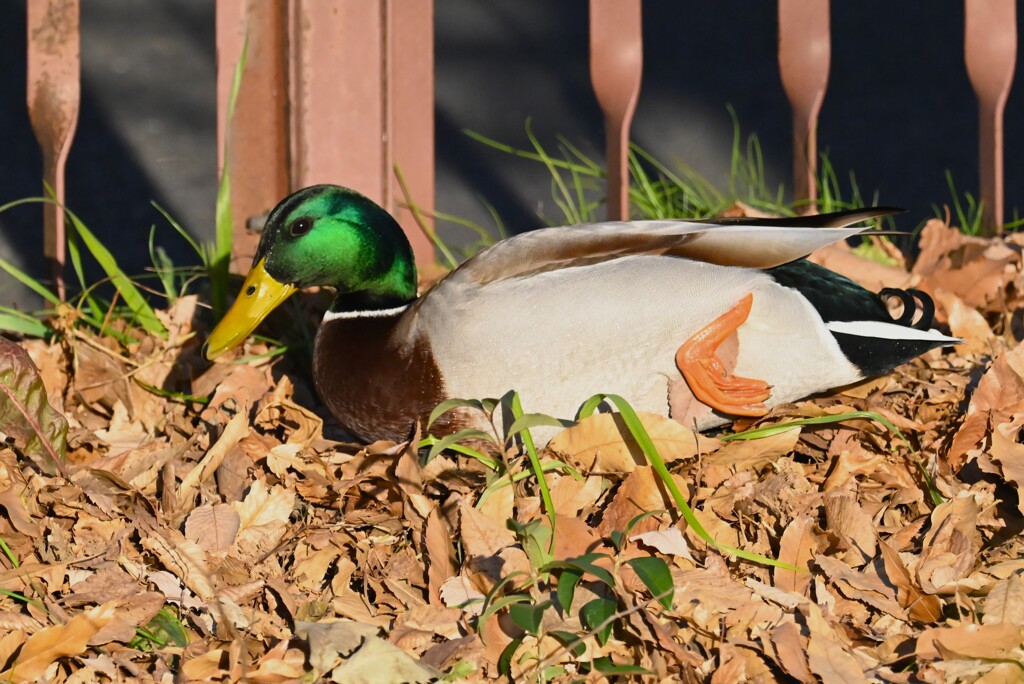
[{"x": 708, "y": 378}]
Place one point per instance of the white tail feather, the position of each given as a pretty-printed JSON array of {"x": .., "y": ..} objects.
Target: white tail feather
[{"x": 889, "y": 331}]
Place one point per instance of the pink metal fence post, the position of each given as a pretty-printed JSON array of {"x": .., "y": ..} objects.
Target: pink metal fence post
[
  {"x": 616, "y": 67},
  {"x": 54, "y": 94},
  {"x": 990, "y": 51},
  {"x": 335, "y": 91},
  {"x": 409, "y": 99},
  {"x": 804, "y": 54}
]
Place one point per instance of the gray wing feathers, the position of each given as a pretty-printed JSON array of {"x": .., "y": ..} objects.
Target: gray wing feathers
[{"x": 726, "y": 244}]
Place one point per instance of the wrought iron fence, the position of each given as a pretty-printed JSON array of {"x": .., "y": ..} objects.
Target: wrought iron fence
[{"x": 358, "y": 76}]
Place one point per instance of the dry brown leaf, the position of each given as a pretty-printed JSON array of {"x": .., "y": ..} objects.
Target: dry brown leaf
[
  {"x": 950, "y": 547},
  {"x": 205, "y": 667},
  {"x": 965, "y": 323},
  {"x": 791, "y": 652},
  {"x": 235, "y": 388},
  {"x": 124, "y": 431},
  {"x": 999, "y": 395},
  {"x": 832, "y": 662},
  {"x": 571, "y": 496},
  {"x": 870, "y": 274},
  {"x": 13, "y": 506},
  {"x": 213, "y": 527},
  {"x": 602, "y": 444},
  {"x": 861, "y": 586},
  {"x": 998, "y": 641},
  {"x": 185, "y": 559},
  {"x": 745, "y": 454},
  {"x": 848, "y": 521},
  {"x": 973, "y": 268},
  {"x": 921, "y": 607},
  {"x": 444, "y": 622},
  {"x": 573, "y": 538},
  {"x": 459, "y": 592},
  {"x": 670, "y": 542},
  {"x": 51, "y": 643},
  {"x": 500, "y": 505},
  {"x": 311, "y": 571},
  {"x": 1005, "y": 602},
  {"x": 640, "y": 492},
  {"x": 135, "y": 612},
  {"x": 51, "y": 363},
  {"x": 482, "y": 536},
  {"x": 437, "y": 539},
  {"x": 1009, "y": 453},
  {"x": 236, "y": 429},
  {"x": 798, "y": 545},
  {"x": 263, "y": 518}
]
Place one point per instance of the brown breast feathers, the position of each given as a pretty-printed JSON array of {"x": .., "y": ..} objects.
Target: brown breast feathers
[{"x": 374, "y": 382}]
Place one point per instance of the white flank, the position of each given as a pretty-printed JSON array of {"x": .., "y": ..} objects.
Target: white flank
[
  {"x": 889, "y": 331},
  {"x": 371, "y": 313}
]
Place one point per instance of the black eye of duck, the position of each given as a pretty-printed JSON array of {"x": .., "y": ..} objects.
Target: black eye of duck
[{"x": 300, "y": 226}]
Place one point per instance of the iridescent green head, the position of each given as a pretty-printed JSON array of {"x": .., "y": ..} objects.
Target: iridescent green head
[{"x": 322, "y": 235}]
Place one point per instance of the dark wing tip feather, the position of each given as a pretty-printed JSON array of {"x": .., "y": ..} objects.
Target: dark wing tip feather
[{"x": 836, "y": 219}]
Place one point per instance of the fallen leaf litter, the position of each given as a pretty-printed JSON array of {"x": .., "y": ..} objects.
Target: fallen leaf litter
[{"x": 256, "y": 548}]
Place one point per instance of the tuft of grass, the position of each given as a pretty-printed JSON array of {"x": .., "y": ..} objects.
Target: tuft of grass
[
  {"x": 660, "y": 192},
  {"x": 135, "y": 309},
  {"x": 967, "y": 213}
]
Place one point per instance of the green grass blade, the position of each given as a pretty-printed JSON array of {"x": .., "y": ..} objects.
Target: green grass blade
[
  {"x": 643, "y": 439},
  {"x": 532, "y": 420},
  {"x": 505, "y": 480},
  {"x": 449, "y": 440},
  {"x": 22, "y": 323},
  {"x": 429, "y": 441},
  {"x": 776, "y": 428},
  {"x": 29, "y": 282},
  {"x": 536, "y": 467},
  {"x": 221, "y": 258},
  {"x": 138, "y": 305},
  {"x": 183, "y": 233},
  {"x": 163, "y": 267}
]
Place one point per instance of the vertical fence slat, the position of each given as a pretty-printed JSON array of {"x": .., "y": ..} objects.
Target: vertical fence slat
[
  {"x": 258, "y": 135},
  {"x": 337, "y": 106},
  {"x": 410, "y": 115},
  {"x": 54, "y": 94},
  {"x": 804, "y": 54},
  {"x": 616, "y": 68},
  {"x": 990, "y": 51}
]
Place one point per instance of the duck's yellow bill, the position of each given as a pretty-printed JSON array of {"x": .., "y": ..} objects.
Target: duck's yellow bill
[{"x": 260, "y": 295}]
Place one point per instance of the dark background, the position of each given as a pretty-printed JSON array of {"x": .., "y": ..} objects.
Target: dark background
[{"x": 899, "y": 110}]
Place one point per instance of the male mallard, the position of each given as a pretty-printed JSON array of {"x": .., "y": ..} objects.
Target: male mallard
[{"x": 696, "y": 320}]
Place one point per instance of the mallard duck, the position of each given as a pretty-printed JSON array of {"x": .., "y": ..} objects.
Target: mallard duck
[{"x": 702, "y": 321}]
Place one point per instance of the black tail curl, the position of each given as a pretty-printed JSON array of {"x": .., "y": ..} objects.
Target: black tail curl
[
  {"x": 916, "y": 305},
  {"x": 919, "y": 308}
]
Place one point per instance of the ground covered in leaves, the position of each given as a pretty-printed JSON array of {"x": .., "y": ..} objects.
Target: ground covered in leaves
[{"x": 234, "y": 538}]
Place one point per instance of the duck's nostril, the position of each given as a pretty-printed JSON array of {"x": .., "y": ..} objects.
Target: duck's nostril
[{"x": 250, "y": 291}]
